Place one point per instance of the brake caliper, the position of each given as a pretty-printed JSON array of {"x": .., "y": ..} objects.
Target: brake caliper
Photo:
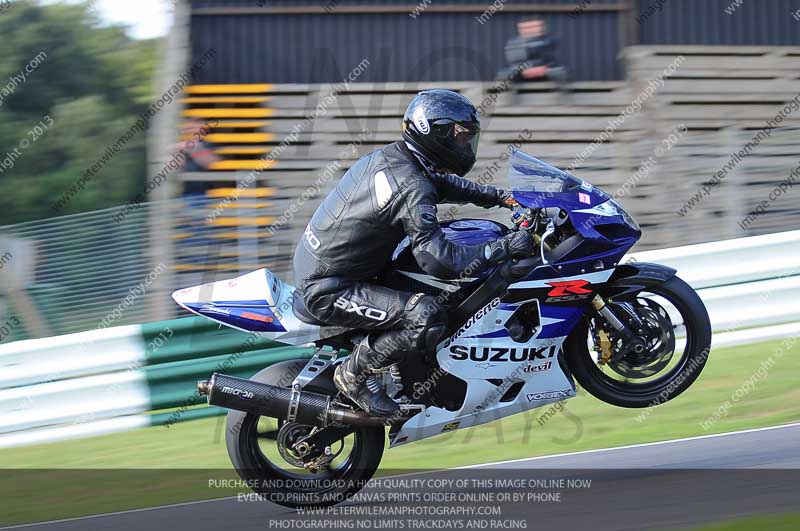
[{"x": 605, "y": 347}]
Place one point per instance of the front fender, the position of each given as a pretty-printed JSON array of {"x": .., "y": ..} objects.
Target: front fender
[{"x": 629, "y": 279}]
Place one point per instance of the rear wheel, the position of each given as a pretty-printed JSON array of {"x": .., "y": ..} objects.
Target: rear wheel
[
  {"x": 676, "y": 335},
  {"x": 260, "y": 449}
]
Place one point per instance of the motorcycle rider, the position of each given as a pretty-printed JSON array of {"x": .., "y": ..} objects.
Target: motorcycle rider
[{"x": 384, "y": 197}]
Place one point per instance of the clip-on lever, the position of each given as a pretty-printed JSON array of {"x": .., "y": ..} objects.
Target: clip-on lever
[{"x": 548, "y": 231}]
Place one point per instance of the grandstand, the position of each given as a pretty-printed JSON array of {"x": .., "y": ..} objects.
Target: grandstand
[
  {"x": 266, "y": 90},
  {"x": 287, "y": 127}
]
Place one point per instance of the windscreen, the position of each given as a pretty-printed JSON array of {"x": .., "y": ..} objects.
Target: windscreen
[
  {"x": 536, "y": 184},
  {"x": 529, "y": 174}
]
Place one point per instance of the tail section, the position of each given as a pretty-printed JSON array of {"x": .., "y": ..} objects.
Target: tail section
[{"x": 256, "y": 302}]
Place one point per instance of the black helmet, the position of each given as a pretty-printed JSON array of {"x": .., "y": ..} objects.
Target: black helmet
[{"x": 444, "y": 127}]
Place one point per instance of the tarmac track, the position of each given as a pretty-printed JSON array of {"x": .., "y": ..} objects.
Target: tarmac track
[{"x": 675, "y": 484}]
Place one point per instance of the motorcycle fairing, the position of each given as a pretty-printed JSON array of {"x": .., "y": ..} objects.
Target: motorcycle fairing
[
  {"x": 502, "y": 376},
  {"x": 543, "y": 380},
  {"x": 534, "y": 363},
  {"x": 256, "y": 302},
  {"x": 536, "y": 184},
  {"x": 565, "y": 266}
]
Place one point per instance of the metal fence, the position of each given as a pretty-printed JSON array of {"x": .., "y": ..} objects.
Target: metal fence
[
  {"x": 98, "y": 269},
  {"x": 77, "y": 272},
  {"x": 128, "y": 377}
]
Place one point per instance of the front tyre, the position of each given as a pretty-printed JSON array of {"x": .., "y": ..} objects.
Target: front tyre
[
  {"x": 677, "y": 353},
  {"x": 260, "y": 451}
]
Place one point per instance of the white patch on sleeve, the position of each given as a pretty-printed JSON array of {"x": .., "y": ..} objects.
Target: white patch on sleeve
[{"x": 383, "y": 190}]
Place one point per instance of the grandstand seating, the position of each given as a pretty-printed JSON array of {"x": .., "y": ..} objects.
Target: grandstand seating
[
  {"x": 241, "y": 132},
  {"x": 724, "y": 95}
]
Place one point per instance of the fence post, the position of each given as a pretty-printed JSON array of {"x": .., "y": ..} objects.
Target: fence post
[{"x": 162, "y": 138}]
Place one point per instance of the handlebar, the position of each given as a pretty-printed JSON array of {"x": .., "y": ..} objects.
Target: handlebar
[
  {"x": 549, "y": 231},
  {"x": 542, "y": 223}
]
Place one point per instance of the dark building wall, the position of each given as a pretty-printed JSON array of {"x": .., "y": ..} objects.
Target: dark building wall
[
  {"x": 310, "y": 45},
  {"x": 705, "y": 22},
  {"x": 434, "y": 46}
]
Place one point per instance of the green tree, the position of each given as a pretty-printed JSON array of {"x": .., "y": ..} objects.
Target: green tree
[{"x": 92, "y": 81}]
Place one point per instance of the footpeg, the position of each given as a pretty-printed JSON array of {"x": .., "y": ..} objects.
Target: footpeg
[{"x": 315, "y": 366}]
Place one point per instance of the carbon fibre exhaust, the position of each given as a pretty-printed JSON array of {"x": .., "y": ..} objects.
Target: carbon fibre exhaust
[{"x": 313, "y": 409}]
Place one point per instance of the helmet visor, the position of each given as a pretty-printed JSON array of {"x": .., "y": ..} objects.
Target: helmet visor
[
  {"x": 457, "y": 144},
  {"x": 466, "y": 137},
  {"x": 460, "y": 136}
]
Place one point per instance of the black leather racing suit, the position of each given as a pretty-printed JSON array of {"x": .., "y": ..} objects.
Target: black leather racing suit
[{"x": 386, "y": 196}]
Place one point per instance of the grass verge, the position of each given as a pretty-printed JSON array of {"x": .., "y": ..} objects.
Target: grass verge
[
  {"x": 581, "y": 424},
  {"x": 778, "y": 522}
]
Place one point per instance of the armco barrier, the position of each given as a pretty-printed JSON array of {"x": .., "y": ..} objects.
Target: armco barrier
[
  {"x": 118, "y": 378},
  {"x": 126, "y": 377},
  {"x": 744, "y": 282}
]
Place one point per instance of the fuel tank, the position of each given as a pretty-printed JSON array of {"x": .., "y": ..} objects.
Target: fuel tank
[{"x": 404, "y": 274}]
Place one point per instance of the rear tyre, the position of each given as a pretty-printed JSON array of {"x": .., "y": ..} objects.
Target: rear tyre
[
  {"x": 275, "y": 474},
  {"x": 627, "y": 391}
]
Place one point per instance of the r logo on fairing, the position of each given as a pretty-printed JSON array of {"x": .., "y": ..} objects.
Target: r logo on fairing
[
  {"x": 568, "y": 290},
  {"x": 567, "y": 287}
]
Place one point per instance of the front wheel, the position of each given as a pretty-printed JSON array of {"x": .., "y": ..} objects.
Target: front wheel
[
  {"x": 260, "y": 449},
  {"x": 676, "y": 334}
]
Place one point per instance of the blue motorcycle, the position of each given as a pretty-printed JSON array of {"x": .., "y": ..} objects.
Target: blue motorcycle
[{"x": 521, "y": 336}]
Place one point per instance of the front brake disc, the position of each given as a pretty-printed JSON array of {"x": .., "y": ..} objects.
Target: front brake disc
[{"x": 659, "y": 343}]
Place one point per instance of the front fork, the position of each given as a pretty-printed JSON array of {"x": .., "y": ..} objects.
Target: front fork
[{"x": 631, "y": 340}]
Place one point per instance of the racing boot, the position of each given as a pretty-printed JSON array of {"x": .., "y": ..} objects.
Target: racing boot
[{"x": 355, "y": 377}]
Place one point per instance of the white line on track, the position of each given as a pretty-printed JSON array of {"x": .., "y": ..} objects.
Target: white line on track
[
  {"x": 525, "y": 459},
  {"x": 129, "y": 511},
  {"x": 641, "y": 445}
]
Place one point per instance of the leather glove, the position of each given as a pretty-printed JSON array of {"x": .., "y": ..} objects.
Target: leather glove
[
  {"x": 518, "y": 244},
  {"x": 506, "y": 199}
]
